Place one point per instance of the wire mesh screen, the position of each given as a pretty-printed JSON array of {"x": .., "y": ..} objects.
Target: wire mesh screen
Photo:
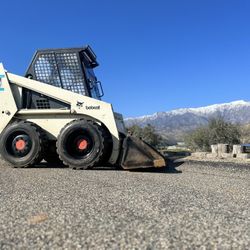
[
  {"x": 60, "y": 70},
  {"x": 70, "y": 72},
  {"x": 46, "y": 70}
]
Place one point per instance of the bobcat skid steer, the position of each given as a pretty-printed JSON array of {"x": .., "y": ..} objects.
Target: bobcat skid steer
[{"x": 55, "y": 113}]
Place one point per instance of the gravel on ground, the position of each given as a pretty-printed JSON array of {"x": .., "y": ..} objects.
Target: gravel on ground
[{"x": 190, "y": 205}]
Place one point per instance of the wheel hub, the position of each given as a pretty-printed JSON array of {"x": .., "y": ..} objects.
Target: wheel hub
[
  {"x": 82, "y": 144},
  {"x": 79, "y": 144},
  {"x": 21, "y": 145}
]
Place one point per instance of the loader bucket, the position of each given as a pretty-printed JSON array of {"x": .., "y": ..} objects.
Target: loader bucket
[{"x": 139, "y": 154}]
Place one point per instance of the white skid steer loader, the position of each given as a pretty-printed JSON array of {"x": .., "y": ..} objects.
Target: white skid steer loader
[{"x": 55, "y": 113}]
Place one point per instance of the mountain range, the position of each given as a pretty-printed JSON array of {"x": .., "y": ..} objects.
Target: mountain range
[{"x": 172, "y": 125}]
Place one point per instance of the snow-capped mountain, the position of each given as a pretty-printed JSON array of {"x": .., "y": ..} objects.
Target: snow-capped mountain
[{"x": 174, "y": 123}]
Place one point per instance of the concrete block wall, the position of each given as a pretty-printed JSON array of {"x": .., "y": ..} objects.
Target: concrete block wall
[
  {"x": 243, "y": 156},
  {"x": 237, "y": 149},
  {"x": 223, "y": 151}
]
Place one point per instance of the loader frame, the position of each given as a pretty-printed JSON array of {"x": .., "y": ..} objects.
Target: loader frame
[{"x": 53, "y": 120}]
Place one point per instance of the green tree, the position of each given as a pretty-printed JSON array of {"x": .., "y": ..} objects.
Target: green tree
[
  {"x": 150, "y": 136},
  {"x": 136, "y": 131},
  {"x": 221, "y": 131},
  {"x": 198, "y": 140},
  {"x": 245, "y": 133},
  {"x": 217, "y": 131},
  {"x": 147, "y": 133}
]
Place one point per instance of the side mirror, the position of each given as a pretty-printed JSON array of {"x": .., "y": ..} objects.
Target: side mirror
[{"x": 100, "y": 89}]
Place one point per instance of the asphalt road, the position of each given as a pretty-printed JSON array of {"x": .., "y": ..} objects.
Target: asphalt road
[{"x": 192, "y": 206}]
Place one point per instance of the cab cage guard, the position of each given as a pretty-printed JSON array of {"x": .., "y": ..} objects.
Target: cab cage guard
[
  {"x": 70, "y": 69},
  {"x": 64, "y": 68}
]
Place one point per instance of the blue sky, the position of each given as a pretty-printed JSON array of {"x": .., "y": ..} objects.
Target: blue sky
[{"x": 154, "y": 55}]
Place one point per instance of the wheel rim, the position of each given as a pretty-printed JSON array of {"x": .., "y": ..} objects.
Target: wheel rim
[
  {"x": 79, "y": 144},
  {"x": 19, "y": 144}
]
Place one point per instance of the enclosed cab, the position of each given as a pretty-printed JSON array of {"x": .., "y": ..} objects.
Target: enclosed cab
[{"x": 69, "y": 69}]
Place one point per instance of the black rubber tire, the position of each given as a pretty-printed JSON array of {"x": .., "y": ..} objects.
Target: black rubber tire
[
  {"x": 96, "y": 152},
  {"x": 34, "y": 154},
  {"x": 50, "y": 155}
]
